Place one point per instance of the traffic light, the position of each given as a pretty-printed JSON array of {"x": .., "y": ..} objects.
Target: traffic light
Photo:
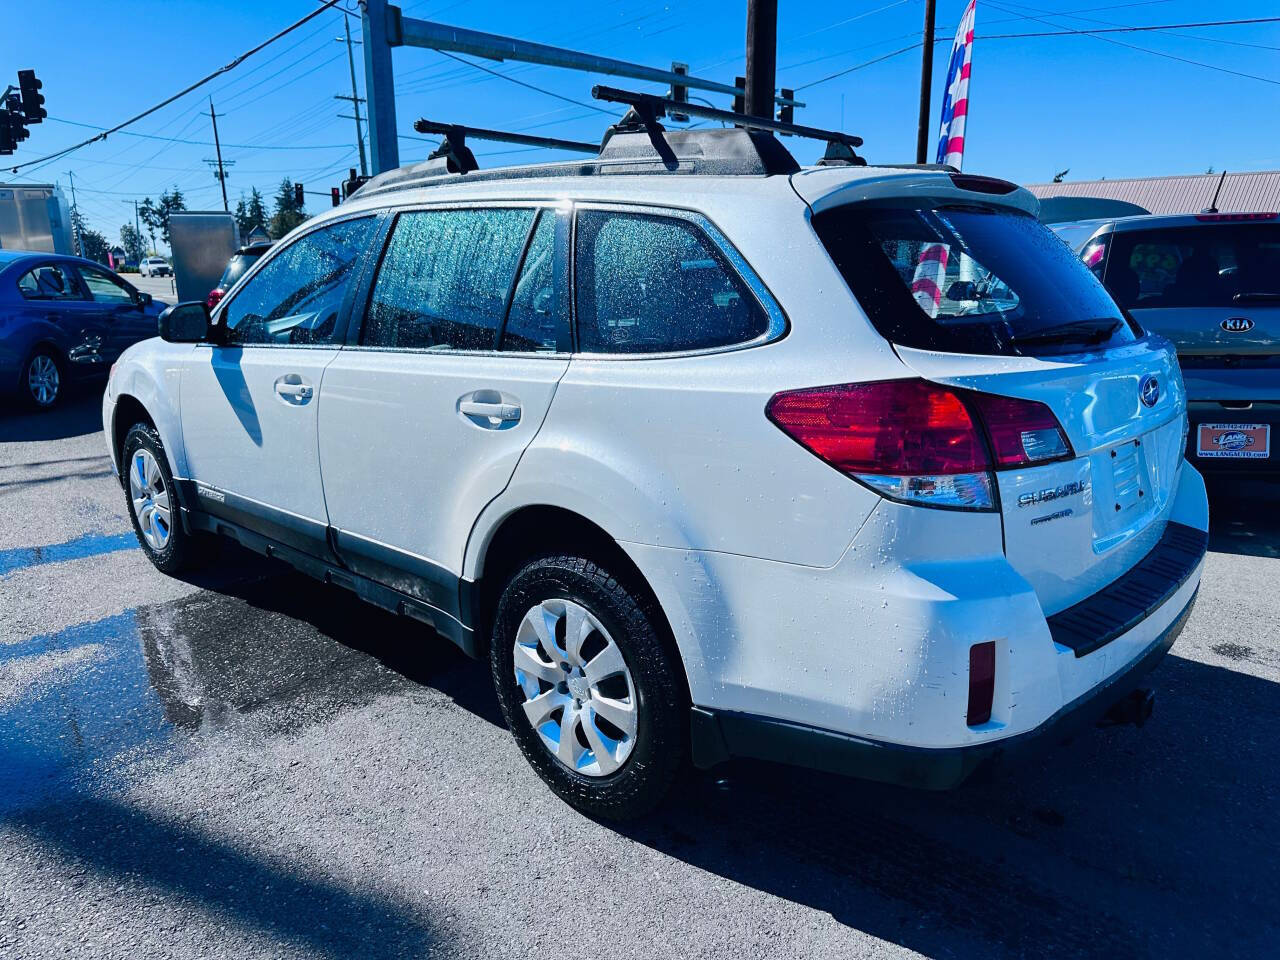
[
  {"x": 786, "y": 113},
  {"x": 7, "y": 141},
  {"x": 740, "y": 101},
  {"x": 335, "y": 195},
  {"x": 32, "y": 99},
  {"x": 680, "y": 92},
  {"x": 297, "y": 196}
]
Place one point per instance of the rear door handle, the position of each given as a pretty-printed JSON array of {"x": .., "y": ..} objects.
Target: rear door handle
[{"x": 494, "y": 411}]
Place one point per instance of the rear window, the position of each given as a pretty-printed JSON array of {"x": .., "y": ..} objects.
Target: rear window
[
  {"x": 1214, "y": 265},
  {"x": 969, "y": 279}
]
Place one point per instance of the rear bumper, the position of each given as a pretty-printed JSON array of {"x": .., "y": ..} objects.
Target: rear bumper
[{"x": 719, "y": 735}]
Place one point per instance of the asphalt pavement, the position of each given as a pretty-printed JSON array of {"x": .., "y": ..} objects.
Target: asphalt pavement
[
  {"x": 251, "y": 764},
  {"x": 163, "y": 289}
]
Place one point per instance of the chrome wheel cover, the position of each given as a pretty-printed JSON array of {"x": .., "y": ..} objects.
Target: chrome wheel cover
[
  {"x": 150, "y": 499},
  {"x": 578, "y": 693},
  {"x": 43, "y": 379}
]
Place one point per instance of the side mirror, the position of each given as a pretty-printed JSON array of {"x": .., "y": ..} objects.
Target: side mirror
[
  {"x": 962, "y": 291},
  {"x": 144, "y": 299},
  {"x": 184, "y": 323}
]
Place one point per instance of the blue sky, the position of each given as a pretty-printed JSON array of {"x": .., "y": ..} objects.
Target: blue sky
[{"x": 1038, "y": 105}]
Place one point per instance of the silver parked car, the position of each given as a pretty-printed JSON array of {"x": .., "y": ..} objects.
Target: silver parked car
[{"x": 155, "y": 267}]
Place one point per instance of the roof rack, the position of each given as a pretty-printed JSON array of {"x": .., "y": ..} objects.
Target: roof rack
[
  {"x": 458, "y": 156},
  {"x": 647, "y": 109},
  {"x": 636, "y": 144}
]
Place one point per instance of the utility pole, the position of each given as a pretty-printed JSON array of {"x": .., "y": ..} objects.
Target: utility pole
[
  {"x": 137, "y": 227},
  {"x": 75, "y": 219},
  {"x": 355, "y": 97},
  {"x": 762, "y": 57},
  {"x": 926, "y": 84},
  {"x": 222, "y": 173}
]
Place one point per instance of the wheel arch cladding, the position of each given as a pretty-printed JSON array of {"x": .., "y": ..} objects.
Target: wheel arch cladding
[{"x": 542, "y": 530}]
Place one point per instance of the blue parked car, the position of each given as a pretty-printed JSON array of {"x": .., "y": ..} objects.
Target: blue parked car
[{"x": 64, "y": 319}]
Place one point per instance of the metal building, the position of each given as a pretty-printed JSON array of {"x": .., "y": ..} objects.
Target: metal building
[{"x": 1255, "y": 192}]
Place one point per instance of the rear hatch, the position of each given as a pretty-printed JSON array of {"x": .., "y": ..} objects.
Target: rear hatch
[
  {"x": 978, "y": 295},
  {"x": 1073, "y": 525}
]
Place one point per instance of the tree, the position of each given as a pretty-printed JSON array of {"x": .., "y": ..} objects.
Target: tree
[
  {"x": 134, "y": 247},
  {"x": 251, "y": 213},
  {"x": 289, "y": 212},
  {"x": 93, "y": 245},
  {"x": 156, "y": 215}
]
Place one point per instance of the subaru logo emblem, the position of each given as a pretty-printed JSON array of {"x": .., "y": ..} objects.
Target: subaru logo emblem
[
  {"x": 1149, "y": 390},
  {"x": 1237, "y": 324}
]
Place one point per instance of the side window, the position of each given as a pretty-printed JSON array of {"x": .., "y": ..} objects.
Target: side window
[
  {"x": 50, "y": 282},
  {"x": 649, "y": 284},
  {"x": 537, "y": 321},
  {"x": 445, "y": 279},
  {"x": 295, "y": 298},
  {"x": 104, "y": 288}
]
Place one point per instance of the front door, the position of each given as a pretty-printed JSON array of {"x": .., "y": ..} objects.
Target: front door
[
  {"x": 424, "y": 420},
  {"x": 124, "y": 319},
  {"x": 249, "y": 400}
]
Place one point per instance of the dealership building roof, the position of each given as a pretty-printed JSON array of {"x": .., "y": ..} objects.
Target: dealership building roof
[{"x": 1254, "y": 192}]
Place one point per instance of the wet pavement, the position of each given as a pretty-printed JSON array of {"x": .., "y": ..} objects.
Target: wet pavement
[{"x": 252, "y": 764}]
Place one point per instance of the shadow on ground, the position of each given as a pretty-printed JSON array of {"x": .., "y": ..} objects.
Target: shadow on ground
[
  {"x": 251, "y": 891},
  {"x": 1244, "y": 518},
  {"x": 80, "y": 412}
]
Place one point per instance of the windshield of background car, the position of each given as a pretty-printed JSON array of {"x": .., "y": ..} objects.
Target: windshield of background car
[
  {"x": 969, "y": 279},
  {"x": 1214, "y": 265},
  {"x": 236, "y": 268}
]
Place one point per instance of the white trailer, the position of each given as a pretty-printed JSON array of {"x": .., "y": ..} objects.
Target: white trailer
[{"x": 34, "y": 216}]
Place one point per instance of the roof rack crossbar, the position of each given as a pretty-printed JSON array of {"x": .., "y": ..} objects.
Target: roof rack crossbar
[
  {"x": 649, "y": 106},
  {"x": 458, "y": 133}
]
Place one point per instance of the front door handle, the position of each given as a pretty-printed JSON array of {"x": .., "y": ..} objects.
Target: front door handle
[
  {"x": 504, "y": 412},
  {"x": 292, "y": 389}
]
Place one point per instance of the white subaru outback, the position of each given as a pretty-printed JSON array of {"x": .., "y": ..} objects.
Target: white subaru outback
[{"x": 849, "y": 466}]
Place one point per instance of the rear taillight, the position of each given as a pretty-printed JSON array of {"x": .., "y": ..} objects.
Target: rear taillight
[
  {"x": 214, "y": 296},
  {"x": 920, "y": 442}
]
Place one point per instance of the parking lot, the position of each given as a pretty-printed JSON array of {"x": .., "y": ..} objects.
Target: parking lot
[{"x": 252, "y": 764}]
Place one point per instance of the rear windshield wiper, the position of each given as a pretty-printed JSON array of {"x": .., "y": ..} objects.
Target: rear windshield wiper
[
  {"x": 1255, "y": 295},
  {"x": 1078, "y": 331}
]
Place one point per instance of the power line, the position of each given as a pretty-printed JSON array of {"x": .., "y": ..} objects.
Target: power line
[
  {"x": 522, "y": 83},
  {"x": 326, "y": 4},
  {"x": 197, "y": 143},
  {"x": 1120, "y": 29}
]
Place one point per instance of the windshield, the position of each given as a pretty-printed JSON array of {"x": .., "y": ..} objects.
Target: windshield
[
  {"x": 236, "y": 268},
  {"x": 969, "y": 279},
  {"x": 1214, "y": 265}
]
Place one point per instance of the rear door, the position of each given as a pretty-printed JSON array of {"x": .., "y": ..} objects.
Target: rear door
[
  {"x": 55, "y": 298},
  {"x": 464, "y": 339}
]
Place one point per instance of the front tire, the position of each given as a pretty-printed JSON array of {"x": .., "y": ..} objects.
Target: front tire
[
  {"x": 153, "y": 503},
  {"x": 592, "y": 697}
]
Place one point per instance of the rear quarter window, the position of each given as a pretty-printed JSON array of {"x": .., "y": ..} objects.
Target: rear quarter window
[{"x": 648, "y": 283}]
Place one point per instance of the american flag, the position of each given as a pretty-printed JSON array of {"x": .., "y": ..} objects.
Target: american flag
[
  {"x": 931, "y": 268},
  {"x": 955, "y": 103}
]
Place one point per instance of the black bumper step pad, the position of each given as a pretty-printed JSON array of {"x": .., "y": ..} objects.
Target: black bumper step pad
[{"x": 1121, "y": 606}]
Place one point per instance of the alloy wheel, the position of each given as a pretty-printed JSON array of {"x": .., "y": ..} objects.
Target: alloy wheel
[
  {"x": 43, "y": 379},
  {"x": 150, "y": 497},
  {"x": 579, "y": 696}
]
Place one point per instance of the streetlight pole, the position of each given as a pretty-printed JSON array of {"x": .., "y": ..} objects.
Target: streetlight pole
[{"x": 926, "y": 84}]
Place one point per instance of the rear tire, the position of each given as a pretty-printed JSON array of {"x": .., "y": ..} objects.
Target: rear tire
[
  {"x": 608, "y": 699},
  {"x": 153, "y": 504},
  {"x": 43, "y": 379}
]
